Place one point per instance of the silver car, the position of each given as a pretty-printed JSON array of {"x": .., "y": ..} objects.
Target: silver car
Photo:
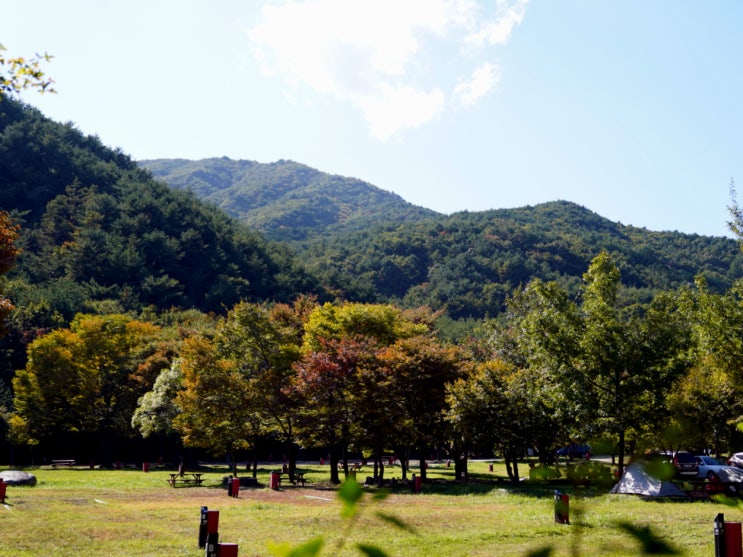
[
  {"x": 736, "y": 460},
  {"x": 709, "y": 465}
]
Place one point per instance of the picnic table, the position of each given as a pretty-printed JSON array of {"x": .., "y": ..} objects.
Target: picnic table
[
  {"x": 276, "y": 483},
  {"x": 185, "y": 479},
  {"x": 63, "y": 462}
]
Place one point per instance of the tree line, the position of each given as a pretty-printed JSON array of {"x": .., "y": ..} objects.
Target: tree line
[{"x": 369, "y": 380}]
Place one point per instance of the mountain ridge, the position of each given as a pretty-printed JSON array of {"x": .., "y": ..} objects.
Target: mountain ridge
[{"x": 284, "y": 200}]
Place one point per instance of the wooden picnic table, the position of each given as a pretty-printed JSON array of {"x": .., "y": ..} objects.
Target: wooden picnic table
[{"x": 185, "y": 479}]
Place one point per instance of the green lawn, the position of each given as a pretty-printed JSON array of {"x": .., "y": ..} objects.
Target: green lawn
[{"x": 133, "y": 513}]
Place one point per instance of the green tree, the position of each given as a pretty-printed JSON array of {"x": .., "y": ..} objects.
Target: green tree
[
  {"x": 611, "y": 362},
  {"x": 216, "y": 403},
  {"x": 264, "y": 342},
  {"x": 706, "y": 402}
]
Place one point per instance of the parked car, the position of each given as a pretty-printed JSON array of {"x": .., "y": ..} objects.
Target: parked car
[
  {"x": 709, "y": 465},
  {"x": 736, "y": 460},
  {"x": 727, "y": 480},
  {"x": 575, "y": 451},
  {"x": 686, "y": 464}
]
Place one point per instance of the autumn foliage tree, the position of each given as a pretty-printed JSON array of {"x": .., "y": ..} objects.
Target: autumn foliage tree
[
  {"x": 327, "y": 384},
  {"x": 421, "y": 369},
  {"x": 83, "y": 383},
  {"x": 8, "y": 254},
  {"x": 234, "y": 382}
]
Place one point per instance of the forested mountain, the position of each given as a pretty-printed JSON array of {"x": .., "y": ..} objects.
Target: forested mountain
[
  {"x": 286, "y": 200},
  {"x": 96, "y": 228},
  {"x": 468, "y": 262}
]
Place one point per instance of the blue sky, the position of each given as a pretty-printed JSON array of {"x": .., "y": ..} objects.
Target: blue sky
[{"x": 631, "y": 108}]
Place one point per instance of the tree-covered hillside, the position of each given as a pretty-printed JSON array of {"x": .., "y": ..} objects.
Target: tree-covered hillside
[
  {"x": 95, "y": 227},
  {"x": 286, "y": 200},
  {"x": 468, "y": 262}
]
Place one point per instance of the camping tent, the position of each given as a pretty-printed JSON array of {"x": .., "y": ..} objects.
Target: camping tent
[{"x": 636, "y": 480}]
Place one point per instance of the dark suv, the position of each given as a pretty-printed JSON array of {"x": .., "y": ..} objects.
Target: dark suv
[{"x": 686, "y": 464}]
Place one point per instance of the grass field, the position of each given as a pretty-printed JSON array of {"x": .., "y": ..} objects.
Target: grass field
[{"x": 134, "y": 513}]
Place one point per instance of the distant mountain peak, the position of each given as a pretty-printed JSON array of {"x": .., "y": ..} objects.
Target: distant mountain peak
[{"x": 285, "y": 200}]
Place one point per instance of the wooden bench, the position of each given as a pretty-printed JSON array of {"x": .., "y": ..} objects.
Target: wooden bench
[
  {"x": 63, "y": 462},
  {"x": 189, "y": 479}
]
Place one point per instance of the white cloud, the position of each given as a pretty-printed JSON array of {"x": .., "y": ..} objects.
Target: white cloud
[
  {"x": 388, "y": 58},
  {"x": 484, "y": 78},
  {"x": 497, "y": 31},
  {"x": 395, "y": 109}
]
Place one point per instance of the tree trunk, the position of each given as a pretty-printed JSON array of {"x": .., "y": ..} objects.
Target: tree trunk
[
  {"x": 515, "y": 470},
  {"x": 334, "y": 460},
  {"x": 232, "y": 460},
  {"x": 291, "y": 452},
  {"x": 380, "y": 477},
  {"x": 621, "y": 452},
  {"x": 423, "y": 452},
  {"x": 404, "y": 454}
]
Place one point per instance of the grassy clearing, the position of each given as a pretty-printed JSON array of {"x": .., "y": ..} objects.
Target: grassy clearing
[{"x": 132, "y": 513}]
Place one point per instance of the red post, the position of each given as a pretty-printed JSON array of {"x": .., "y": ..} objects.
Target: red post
[
  {"x": 562, "y": 508},
  {"x": 236, "y": 487},
  {"x": 733, "y": 540},
  {"x": 491, "y": 467},
  {"x": 227, "y": 550},
  {"x": 3, "y": 487},
  {"x": 275, "y": 480},
  {"x": 212, "y": 522},
  {"x": 145, "y": 467}
]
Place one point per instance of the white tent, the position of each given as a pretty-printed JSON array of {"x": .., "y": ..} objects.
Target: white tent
[{"x": 637, "y": 481}]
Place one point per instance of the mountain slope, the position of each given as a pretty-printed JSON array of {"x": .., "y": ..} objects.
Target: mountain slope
[
  {"x": 285, "y": 200},
  {"x": 95, "y": 226},
  {"x": 470, "y": 262}
]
